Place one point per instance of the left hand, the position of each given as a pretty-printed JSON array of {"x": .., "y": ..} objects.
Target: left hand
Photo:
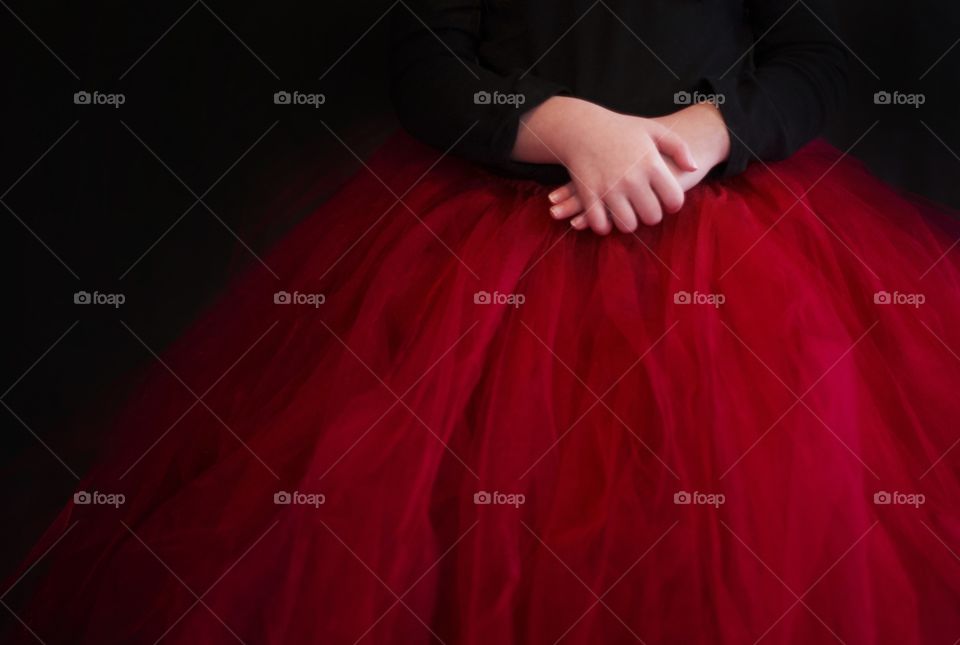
[{"x": 701, "y": 126}]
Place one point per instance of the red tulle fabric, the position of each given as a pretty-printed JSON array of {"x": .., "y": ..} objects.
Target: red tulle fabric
[{"x": 493, "y": 429}]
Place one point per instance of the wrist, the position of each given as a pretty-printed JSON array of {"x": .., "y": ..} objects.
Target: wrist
[{"x": 717, "y": 136}]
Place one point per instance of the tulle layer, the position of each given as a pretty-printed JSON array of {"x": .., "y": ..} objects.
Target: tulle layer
[{"x": 454, "y": 420}]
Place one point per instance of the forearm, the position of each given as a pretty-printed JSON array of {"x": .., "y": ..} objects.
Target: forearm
[{"x": 542, "y": 129}]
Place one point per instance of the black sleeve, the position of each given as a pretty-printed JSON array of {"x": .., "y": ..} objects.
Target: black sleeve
[
  {"x": 445, "y": 97},
  {"x": 780, "y": 100}
]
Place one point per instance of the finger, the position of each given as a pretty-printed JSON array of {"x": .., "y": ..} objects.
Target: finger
[
  {"x": 562, "y": 194},
  {"x": 646, "y": 206},
  {"x": 673, "y": 145},
  {"x": 668, "y": 189},
  {"x": 597, "y": 217},
  {"x": 568, "y": 208},
  {"x": 594, "y": 210},
  {"x": 579, "y": 222},
  {"x": 621, "y": 212}
]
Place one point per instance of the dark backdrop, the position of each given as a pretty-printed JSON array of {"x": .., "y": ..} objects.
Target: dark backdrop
[{"x": 103, "y": 198}]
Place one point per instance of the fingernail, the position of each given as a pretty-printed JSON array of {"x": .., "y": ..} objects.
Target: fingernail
[
  {"x": 554, "y": 197},
  {"x": 576, "y": 221},
  {"x": 555, "y": 211}
]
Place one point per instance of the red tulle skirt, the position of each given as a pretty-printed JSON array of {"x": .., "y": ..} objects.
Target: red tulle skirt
[{"x": 452, "y": 419}]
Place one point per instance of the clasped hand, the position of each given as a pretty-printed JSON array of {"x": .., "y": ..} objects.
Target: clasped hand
[{"x": 625, "y": 170}]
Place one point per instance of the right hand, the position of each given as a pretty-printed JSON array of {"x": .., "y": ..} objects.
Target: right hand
[{"x": 616, "y": 161}]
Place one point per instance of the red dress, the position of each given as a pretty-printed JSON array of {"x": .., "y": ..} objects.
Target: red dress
[{"x": 455, "y": 420}]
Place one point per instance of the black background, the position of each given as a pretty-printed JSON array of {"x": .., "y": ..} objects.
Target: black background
[{"x": 199, "y": 95}]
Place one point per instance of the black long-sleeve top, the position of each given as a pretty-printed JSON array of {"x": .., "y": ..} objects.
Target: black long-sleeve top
[{"x": 459, "y": 66}]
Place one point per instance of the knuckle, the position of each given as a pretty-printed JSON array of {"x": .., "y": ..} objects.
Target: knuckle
[{"x": 637, "y": 176}]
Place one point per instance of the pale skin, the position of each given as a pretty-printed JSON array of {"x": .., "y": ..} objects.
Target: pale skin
[{"x": 625, "y": 170}]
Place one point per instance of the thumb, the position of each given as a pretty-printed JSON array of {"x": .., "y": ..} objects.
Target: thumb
[{"x": 672, "y": 144}]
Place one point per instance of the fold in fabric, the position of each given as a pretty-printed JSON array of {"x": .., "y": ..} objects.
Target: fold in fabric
[{"x": 456, "y": 420}]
